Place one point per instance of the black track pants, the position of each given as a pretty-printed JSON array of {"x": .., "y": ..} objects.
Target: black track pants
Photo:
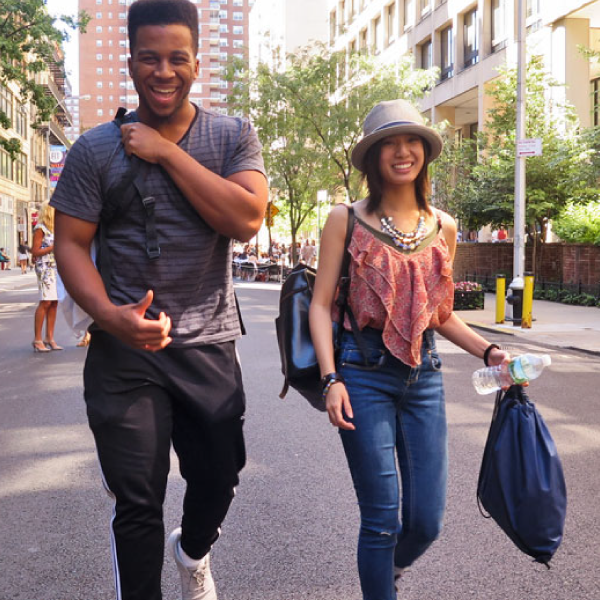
[{"x": 138, "y": 403}]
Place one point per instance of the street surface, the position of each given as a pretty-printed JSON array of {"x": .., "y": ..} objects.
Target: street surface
[{"x": 292, "y": 529}]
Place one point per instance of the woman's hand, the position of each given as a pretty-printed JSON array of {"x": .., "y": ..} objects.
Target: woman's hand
[
  {"x": 501, "y": 357},
  {"x": 498, "y": 356},
  {"x": 338, "y": 404}
]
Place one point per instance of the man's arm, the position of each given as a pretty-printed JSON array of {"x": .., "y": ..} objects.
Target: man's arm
[
  {"x": 72, "y": 242},
  {"x": 234, "y": 207}
]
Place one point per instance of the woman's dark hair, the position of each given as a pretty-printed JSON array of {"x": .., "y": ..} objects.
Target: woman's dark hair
[
  {"x": 372, "y": 175},
  {"x": 162, "y": 12}
]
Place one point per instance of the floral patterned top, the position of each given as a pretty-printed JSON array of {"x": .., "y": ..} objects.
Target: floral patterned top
[
  {"x": 46, "y": 260},
  {"x": 398, "y": 292}
]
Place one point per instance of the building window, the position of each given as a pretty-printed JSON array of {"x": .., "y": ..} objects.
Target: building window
[
  {"x": 409, "y": 13},
  {"x": 98, "y": 56},
  {"x": 100, "y": 112},
  {"x": 498, "y": 25},
  {"x": 20, "y": 170},
  {"x": 378, "y": 34},
  {"x": 426, "y": 55},
  {"x": 390, "y": 17},
  {"x": 446, "y": 53},
  {"x": 99, "y": 85},
  {"x": 533, "y": 8},
  {"x": 332, "y": 26},
  {"x": 362, "y": 41},
  {"x": 98, "y": 70},
  {"x": 424, "y": 7},
  {"x": 98, "y": 28},
  {"x": 470, "y": 38},
  {"x": 238, "y": 30},
  {"x": 595, "y": 93},
  {"x": 20, "y": 122},
  {"x": 222, "y": 14},
  {"x": 238, "y": 43},
  {"x": 98, "y": 15},
  {"x": 6, "y": 102},
  {"x": 238, "y": 16},
  {"x": 98, "y": 43}
]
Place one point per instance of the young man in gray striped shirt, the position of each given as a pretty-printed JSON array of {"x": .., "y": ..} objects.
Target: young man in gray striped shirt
[{"x": 161, "y": 366}]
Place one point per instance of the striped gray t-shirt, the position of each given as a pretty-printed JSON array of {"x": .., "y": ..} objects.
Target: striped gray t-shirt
[{"x": 192, "y": 278}]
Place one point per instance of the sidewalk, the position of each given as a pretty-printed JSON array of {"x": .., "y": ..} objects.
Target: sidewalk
[
  {"x": 14, "y": 280},
  {"x": 555, "y": 324}
]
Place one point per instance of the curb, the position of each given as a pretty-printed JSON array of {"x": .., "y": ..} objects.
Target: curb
[{"x": 504, "y": 331}]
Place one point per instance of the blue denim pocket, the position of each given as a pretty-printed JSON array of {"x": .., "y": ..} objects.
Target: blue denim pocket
[{"x": 353, "y": 357}]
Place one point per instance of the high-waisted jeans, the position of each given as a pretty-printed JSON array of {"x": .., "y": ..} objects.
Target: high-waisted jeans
[{"x": 400, "y": 420}]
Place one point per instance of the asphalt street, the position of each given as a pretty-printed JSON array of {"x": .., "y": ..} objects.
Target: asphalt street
[{"x": 291, "y": 531}]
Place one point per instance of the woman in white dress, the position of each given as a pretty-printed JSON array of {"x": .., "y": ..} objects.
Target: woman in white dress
[{"x": 45, "y": 269}]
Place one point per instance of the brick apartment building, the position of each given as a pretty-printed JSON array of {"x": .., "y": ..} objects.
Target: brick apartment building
[{"x": 104, "y": 49}]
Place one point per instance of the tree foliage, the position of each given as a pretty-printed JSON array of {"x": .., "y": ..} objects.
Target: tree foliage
[
  {"x": 484, "y": 190},
  {"x": 29, "y": 37},
  {"x": 580, "y": 223},
  {"x": 309, "y": 117}
]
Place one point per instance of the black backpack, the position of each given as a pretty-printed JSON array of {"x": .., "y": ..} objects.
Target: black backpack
[{"x": 298, "y": 359}]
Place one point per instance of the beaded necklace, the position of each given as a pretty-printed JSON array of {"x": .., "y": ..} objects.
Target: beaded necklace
[{"x": 405, "y": 240}]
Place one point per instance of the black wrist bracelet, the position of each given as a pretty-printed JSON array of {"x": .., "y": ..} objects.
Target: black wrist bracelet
[
  {"x": 328, "y": 380},
  {"x": 486, "y": 354}
]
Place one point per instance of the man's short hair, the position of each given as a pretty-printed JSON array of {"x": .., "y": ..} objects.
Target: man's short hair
[{"x": 162, "y": 12}]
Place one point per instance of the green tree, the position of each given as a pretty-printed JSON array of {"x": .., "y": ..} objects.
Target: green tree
[
  {"x": 28, "y": 41},
  {"x": 484, "y": 193},
  {"x": 580, "y": 223},
  {"x": 309, "y": 118}
]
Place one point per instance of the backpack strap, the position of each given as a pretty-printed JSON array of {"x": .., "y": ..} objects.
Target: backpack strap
[
  {"x": 342, "y": 297},
  {"x": 118, "y": 200}
]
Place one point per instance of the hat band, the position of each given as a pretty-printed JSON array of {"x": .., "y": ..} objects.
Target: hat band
[{"x": 394, "y": 124}]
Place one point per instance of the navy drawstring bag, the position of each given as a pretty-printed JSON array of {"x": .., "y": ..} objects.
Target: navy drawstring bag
[{"x": 521, "y": 481}]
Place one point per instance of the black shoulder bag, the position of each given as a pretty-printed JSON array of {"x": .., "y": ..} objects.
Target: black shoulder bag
[{"x": 299, "y": 363}]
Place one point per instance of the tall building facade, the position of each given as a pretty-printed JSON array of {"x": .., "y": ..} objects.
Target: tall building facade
[
  {"x": 468, "y": 40},
  {"x": 279, "y": 27},
  {"x": 104, "y": 50},
  {"x": 25, "y": 178}
]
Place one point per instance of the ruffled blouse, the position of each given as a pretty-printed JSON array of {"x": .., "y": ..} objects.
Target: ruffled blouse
[{"x": 400, "y": 293}]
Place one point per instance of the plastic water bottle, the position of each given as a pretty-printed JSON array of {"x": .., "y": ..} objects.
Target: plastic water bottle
[{"x": 521, "y": 369}]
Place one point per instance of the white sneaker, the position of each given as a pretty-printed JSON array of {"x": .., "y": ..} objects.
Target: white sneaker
[{"x": 196, "y": 582}]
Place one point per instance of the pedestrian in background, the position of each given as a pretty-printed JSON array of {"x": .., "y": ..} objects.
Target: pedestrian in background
[
  {"x": 45, "y": 269},
  {"x": 4, "y": 260},
  {"x": 162, "y": 366},
  {"x": 389, "y": 404},
  {"x": 23, "y": 257}
]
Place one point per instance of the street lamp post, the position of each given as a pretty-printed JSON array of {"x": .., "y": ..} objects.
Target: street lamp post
[
  {"x": 84, "y": 97},
  {"x": 519, "y": 220}
]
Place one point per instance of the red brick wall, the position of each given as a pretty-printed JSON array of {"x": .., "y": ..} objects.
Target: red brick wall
[{"x": 570, "y": 262}]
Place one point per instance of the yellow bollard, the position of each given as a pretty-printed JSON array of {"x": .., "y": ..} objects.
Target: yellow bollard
[
  {"x": 526, "y": 318},
  {"x": 500, "y": 297}
]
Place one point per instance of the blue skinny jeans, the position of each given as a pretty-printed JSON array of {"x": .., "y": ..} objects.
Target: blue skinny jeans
[{"x": 400, "y": 419}]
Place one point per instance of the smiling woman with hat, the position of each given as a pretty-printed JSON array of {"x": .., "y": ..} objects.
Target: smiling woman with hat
[{"x": 384, "y": 388}]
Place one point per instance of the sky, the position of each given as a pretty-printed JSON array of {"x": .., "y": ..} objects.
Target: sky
[{"x": 68, "y": 7}]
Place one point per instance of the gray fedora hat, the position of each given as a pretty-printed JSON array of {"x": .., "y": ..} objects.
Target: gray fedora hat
[{"x": 394, "y": 117}]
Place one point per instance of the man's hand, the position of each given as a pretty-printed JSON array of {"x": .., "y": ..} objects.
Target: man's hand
[
  {"x": 130, "y": 325},
  {"x": 143, "y": 141}
]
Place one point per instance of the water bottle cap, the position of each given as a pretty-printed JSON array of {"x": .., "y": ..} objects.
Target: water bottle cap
[{"x": 546, "y": 360}]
